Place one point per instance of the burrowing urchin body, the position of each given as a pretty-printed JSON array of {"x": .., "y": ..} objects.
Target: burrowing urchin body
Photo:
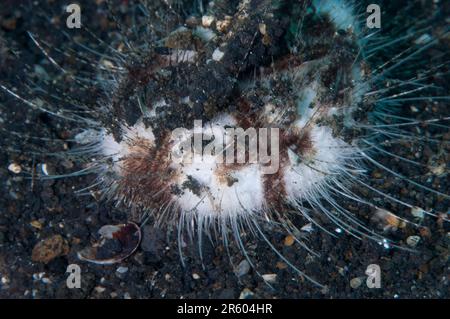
[
  {"x": 298, "y": 94},
  {"x": 297, "y": 69}
]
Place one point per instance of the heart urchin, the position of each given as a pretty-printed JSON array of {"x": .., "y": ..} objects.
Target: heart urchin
[{"x": 257, "y": 112}]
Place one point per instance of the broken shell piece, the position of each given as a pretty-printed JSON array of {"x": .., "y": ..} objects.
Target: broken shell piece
[
  {"x": 45, "y": 169},
  {"x": 36, "y": 224},
  {"x": 117, "y": 242}
]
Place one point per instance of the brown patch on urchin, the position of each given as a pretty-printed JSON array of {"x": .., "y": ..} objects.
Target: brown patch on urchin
[
  {"x": 146, "y": 175},
  {"x": 301, "y": 144},
  {"x": 224, "y": 173},
  {"x": 284, "y": 63},
  {"x": 274, "y": 188}
]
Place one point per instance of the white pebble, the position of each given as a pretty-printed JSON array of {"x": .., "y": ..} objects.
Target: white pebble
[
  {"x": 15, "y": 168},
  {"x": 246, "y": 294},
  {"x": 100, "y": 289},
  {"x": 5, "y": 280},
  {"x": 207, "y": 21},
  {"x": 270, "y": 278},
  {"x": 418, "y": 212},
  {"x": 414, "y": 109},
  {"x": 355, "y": 282},
  {"x": 412, "y": 241},
  {"x": 243, "y": 268},
  {"x": 217, "y": 55},
  {"x": 126, "y": 295},
  {"x": 122, "y": 270}
]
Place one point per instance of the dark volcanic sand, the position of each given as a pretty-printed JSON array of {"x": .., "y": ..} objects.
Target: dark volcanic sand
[{"x": 155, "y": 271}]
